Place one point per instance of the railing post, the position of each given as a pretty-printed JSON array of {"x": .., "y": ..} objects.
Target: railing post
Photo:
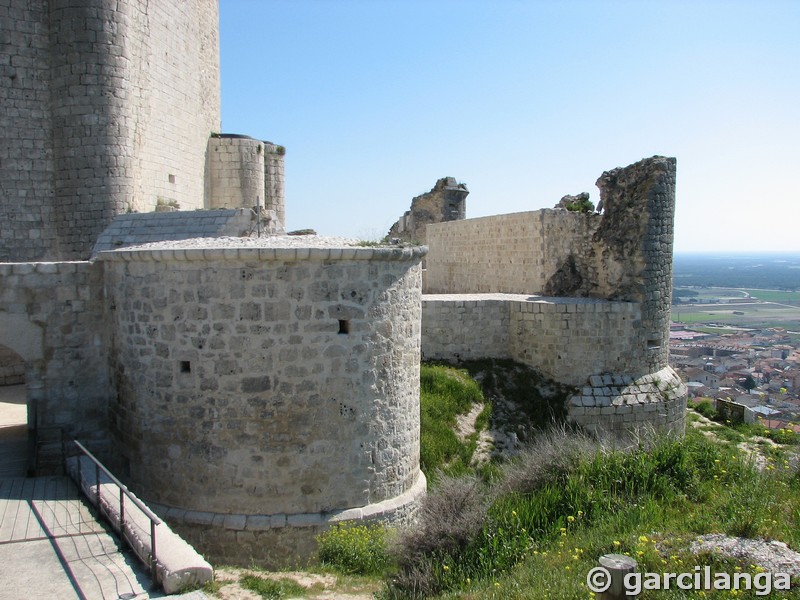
[
  {"x": 123, "y": 491},
  {"x": 121, "y": 512},
  {"x": 97, "y": 483},
  {"x": 153, "y": 571}
]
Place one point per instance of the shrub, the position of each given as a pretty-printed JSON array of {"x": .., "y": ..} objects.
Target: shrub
[
  {"x": 355, "y": 549},
  {"x": 706, "y": 408}
]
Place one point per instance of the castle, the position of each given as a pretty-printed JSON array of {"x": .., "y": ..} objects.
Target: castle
[{"x": 255, "y": 390}]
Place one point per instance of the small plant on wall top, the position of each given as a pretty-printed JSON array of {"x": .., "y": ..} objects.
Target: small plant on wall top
[{"x": 583, "y": 205}]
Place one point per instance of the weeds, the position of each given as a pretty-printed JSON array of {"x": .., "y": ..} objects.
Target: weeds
[
  {"x": 355, "y": 549},
  {"x": 272, "y": 589}
]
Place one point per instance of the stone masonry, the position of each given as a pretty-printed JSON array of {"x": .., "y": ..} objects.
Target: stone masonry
[
  {"x": 445, "y": 202},
  {"x": 265, "y": 386},
  {"x": 259, "y": 390},
  {"x": 106, "y": 107},
  {"x": 112, "y": 107},
  {"x": 596, "y": 292},
  {"x": 242, "y": 171}
]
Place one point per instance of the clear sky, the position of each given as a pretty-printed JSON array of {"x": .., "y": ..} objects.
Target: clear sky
[{"x": 524, "y": 101}]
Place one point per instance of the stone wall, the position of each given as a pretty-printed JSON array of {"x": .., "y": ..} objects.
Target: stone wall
[
  {"x": 607, "y": 282},
  {"x": 12, "y": 367},
  {"x": 52, "y": 316},
  {"x": 625, "y": 253},
  {"x": 243, "y": 172},
  {"x": 445, "y": 202},
  {"x": 260, "y": 387},
  {"x": 466, "y": 327},
  {"x": 559, "y": 337},
  {"x": 108, "y": 106},
  {"x": 514, "y": 253},
  {"x": 26, "y": 154}
]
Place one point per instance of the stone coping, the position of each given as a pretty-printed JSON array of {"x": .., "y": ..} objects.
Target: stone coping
[
  {"x": 264, "y": 254},
  {"x": 245, "y": 522},
  {"x": 502, "y": 297}
]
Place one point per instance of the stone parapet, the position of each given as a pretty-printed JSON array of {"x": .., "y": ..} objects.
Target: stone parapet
[{"x": 265, "y": 254}]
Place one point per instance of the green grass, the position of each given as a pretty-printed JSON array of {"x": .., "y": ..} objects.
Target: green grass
[
  {"x": 445, "y": 393},
  {"x": 272, "y": 589},
  {"x": 649, "y": 504},
  {"x": 775, "y": 296},
  {"x": 355, "y": 549}
]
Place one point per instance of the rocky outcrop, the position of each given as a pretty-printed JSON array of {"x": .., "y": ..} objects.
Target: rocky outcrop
[{"x": 445, "y": 202}]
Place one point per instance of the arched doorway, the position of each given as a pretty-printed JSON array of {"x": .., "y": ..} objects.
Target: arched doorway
[
  {"x": 14, "y": 429},
  {"x": 21, "y": 352}
]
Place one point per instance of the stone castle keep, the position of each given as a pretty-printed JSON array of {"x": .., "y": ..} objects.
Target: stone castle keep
[{"x": 255, "y": 390}]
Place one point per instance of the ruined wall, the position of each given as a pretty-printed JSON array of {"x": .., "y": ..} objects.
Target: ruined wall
[
  {"x": 108, "y": 106},
  {"x": 624, "y": 254},
  {"x": 241, "y": 172},
  {"x": 514, "y": 253},
  {"x": 52, "y": 316},
  {"x": 445, "y": 202},
  {"x": 606, "y": 279},
  {"x": 261, "y": 388}
]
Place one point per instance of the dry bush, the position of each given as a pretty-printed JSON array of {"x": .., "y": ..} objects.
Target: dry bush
[
  {"x": 448, "y": 519},
  {"x": 548, "y": 458}
]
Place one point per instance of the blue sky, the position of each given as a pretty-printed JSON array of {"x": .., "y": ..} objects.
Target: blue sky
[{"x": 524, "y": 102}]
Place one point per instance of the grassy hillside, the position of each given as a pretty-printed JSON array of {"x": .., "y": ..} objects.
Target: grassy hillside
[{"x": 534, "y": 525}]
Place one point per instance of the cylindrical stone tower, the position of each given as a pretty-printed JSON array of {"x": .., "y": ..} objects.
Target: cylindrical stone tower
[
  {"x": 266, "y": 391},
  {"x": 637, "y": 231},
  {"x": 243, "y": 172}
]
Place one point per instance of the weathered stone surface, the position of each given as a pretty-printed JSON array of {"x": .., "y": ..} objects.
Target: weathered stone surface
[
  {"x": 107, "y": 109},
  {"x": 445, "y": 202},
  {"x": 312, "y": 410}
]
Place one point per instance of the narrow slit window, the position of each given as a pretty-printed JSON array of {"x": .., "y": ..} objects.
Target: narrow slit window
[
  {"x": 172, "y": 178},
  {"x": 186, "y": 366},
  {"x": 344, "y": 327}
]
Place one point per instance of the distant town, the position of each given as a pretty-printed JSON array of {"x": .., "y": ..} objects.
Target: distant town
[{"x": 737, "y": 345}]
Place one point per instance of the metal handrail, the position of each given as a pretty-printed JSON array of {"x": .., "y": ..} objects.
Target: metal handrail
[{"x": 123, "y": 492}]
